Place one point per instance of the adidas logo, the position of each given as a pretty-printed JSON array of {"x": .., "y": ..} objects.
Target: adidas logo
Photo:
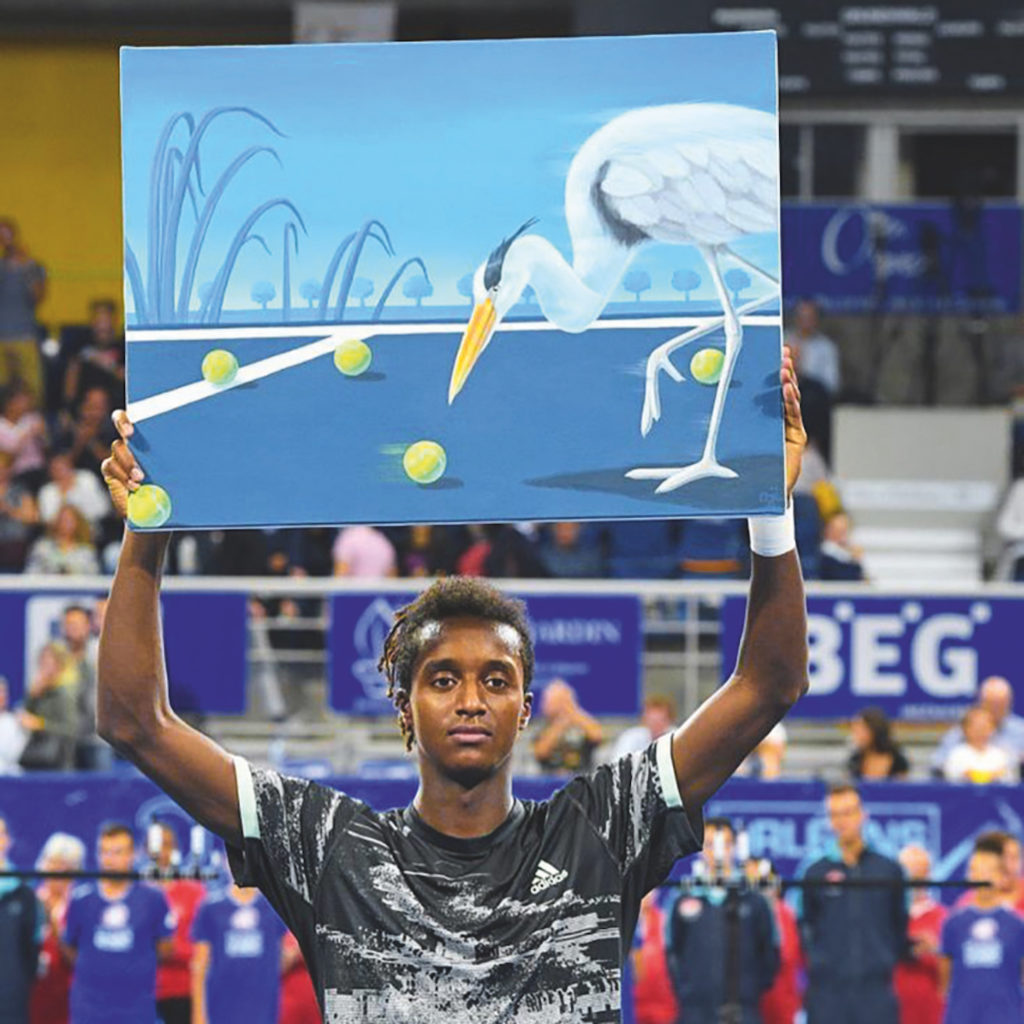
[{"x": 547, "y": 875}]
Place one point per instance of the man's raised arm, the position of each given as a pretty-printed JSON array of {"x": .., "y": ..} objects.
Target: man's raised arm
[
  {"x": 771, "y": 671},
  {"x": 133, "y": 713}
]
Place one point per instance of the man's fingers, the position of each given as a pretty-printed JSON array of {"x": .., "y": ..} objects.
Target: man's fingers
[{"x": 123, "y": 425}]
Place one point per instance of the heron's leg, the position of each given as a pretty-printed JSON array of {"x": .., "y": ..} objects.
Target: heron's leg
[
  {"x": 708, "y": 464},
  {"x": 659, "y": 360}
]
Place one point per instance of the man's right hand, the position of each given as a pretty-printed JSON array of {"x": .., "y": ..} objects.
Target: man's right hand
[{"x": 121, "y": 473}]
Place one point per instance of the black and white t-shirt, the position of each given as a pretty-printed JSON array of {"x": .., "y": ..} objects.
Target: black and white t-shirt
[{"x": 401, "y": 924}]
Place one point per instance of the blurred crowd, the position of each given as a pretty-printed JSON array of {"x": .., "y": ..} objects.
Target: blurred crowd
[
  {"x": 177, "y": 951},
  {"x": 57, "y": 393}
]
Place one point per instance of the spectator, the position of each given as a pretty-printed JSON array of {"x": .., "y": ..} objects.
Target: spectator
[
  {"x": 87, "y": 437},
  {"x": 113, "y": 933},
  {"x": 699, "y": 925},
  {"x": 174, "y": 971},
  {"x": 512, "y": 552},
  {"x": 425, "y": 551},
  {"x": 654, "y": 998},
  {"x": 1013, "y": 873},
  {"x": 983, "y": 950},
  {"x": 23, "y": 436},
  {"x": 66, "y": 548},
  {"x": 12, "y": 734},
  {"x": 766, "y": 761},
  {"x": 50, "y": 715},
  {"x": 784, "y": 1000},
  {"x": 978, "y": 758},
  {"x": 18, "y": 515},
  {"x": 568, "y": 735},
  {"x": 78, "y": 640},
  {"x": 21, "y": 933},
  {"x": 566, "y": 556},
  {"x": 839, "y": 558},
  {"x": 917, "y": 979},
  {"x": 48, "y": 1003},
  {"x": 99, "y": 363},
  {"x": 298, "y": 998},
  {"x": 659, "y": 715},
  {"x": 996, "y": 695},
  {"x": 236, "y": 967},
  {"x": 1010, "y": 530},
  {"x": 876, "y": 755},
  {"x": 22, "y": 287},
  {"x": 852, "y": 937},
  {"x": 71, "y": 486},
  {"x": 364, "y": 551},
  {"x": 817, "y": 355}
]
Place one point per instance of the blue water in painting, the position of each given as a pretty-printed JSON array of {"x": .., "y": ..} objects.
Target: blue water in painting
[{"x": 545, "y": 428}]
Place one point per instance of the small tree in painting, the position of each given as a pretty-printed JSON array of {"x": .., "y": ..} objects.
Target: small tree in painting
[
  {"x": 637, "y": 281},
  {"x": 418, "y": 288},
  {"x": 310, "y": 291},
  {"x": 465, "y": 287},
  {"x": 686, "y": 281},
  {"x": 262, "y": 292},
  {"x": 362, "y": 289},
  {"x": 736, "y": 281}
]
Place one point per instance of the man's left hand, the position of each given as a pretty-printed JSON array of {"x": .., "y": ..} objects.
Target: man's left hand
[{"x": 796, "y": 436}]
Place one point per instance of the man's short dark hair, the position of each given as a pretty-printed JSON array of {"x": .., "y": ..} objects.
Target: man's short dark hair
[
  {"x": 720, "y": 823},
  {"x": 457, "y": 597},
  {"x": 68, "y": 609},
  {"x": 116, "y": 828},
  {"x": 839, "y": 788},
  {"x": 108, "y": 304},
  {"x": 992, "y": 841}
]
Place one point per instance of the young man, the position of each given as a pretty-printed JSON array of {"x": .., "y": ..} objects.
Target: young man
[
  {"x": 468, "y": 905},
  {"x": 983, "y": 951},
  {"x": 700, "y": 938},
  {"x": 237, "y": 960},
  {"x": 853, "y": 936},
  {"x": 113, "y": 934}
]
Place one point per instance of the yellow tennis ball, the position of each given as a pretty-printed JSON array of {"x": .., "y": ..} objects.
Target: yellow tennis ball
[
  {"x": 149, "y": 506},
  {"x": 706, "y": 365},
  {"x": 219, "y": 367},
  {"x": 424, "y": 462},
  {"x": 353, "y": 357}
]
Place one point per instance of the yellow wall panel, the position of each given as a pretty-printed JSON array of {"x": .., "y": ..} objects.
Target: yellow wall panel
[{"x": 60, "y": 173}]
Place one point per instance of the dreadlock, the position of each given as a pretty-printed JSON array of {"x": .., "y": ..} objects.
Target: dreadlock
[{"x": 452, "y": 598}]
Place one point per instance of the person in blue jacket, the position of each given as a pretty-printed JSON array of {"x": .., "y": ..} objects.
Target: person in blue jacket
[
  {"x": 983, "y": 951},
  {"x": 853, "y": 935},
  {"x": 722, "y": 947}
]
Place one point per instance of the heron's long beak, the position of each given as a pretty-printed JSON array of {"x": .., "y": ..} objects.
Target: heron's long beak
[{"x": 474, "y": 341}]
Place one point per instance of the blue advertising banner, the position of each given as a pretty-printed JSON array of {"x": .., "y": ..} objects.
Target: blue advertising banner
[
  {"x": 916, "y": 658},
  {"x": 785, "y": 821},
  {"x": 592, "y": 642},
  {"x": 205, "y": 642},
  {"x": 909, "y": 258}
]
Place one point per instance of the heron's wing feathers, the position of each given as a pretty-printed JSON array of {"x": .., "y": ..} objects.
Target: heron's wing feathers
[{"x": 693, "y": 190}]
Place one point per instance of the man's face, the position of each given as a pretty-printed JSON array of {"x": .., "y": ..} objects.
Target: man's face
[
  {"x": 807, "y": 318},
  {"x": 61, "y": 468},
  {"x": 467, "y": 703},
  {"x": 657, "y": 719},
  {"x": 77, "y": 626},
  {"x": 985, "y": 867},
  {"x": 996, "y": 697},
  {"x": 117, "y": 852},
  {"x": 168, "y": 847},
  {"x": 102, "y": 320},
  {"x": 95, "y": 405},
  {"x": 979, "y": 727},
  {"x": 846, "y": 816},
  {"x": 727, "y": 844}
]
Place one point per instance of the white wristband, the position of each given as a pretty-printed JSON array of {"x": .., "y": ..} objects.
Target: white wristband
[{"x": 771, "y": 536}]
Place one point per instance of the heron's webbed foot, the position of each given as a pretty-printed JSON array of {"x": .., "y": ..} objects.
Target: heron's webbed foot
[{"x": 674, "y": 477}]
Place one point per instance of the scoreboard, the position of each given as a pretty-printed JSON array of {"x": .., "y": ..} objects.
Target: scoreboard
[{"x": 828, "y": 48}]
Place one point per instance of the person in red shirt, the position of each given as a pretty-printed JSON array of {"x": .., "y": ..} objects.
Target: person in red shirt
[
  {"x": 653, "y": 996},
  {"x": 174, "y": 972},
  {"x": 917, "y": 980},
  {"x": 784, "y": 1000},
  {"x": 48, "y": 1001},
  {"x": 298, "y": 1000}
]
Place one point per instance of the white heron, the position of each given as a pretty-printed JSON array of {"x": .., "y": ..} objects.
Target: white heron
[{"x": 698, "y": 174}]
